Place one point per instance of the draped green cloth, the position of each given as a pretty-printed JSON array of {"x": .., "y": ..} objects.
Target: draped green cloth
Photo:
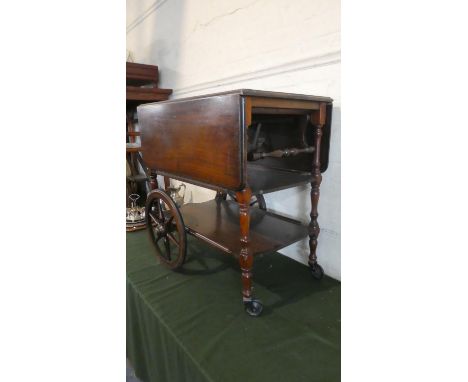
[{"x": 190, "y": 325}]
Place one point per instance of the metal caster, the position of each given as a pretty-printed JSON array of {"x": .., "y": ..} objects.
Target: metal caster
[
  {"x": 316, "y": 271},
  {"x": 253, "y": 307}
]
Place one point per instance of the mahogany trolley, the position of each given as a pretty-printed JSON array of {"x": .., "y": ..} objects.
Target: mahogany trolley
[{"x": 243, "y": 144}]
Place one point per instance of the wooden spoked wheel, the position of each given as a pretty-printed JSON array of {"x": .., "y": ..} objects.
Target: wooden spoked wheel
[
  {"x": 166, "y": 228},
  {"x": 256, "y": 201}
]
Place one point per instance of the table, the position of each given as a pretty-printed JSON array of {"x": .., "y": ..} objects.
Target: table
[
  {"x": 244, "y": 143},
  {"x": 187, "y": 325}
]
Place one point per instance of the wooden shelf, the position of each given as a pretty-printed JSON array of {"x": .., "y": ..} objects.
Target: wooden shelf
[
  {"x": 133, "y": 149},
  {"x": 133, "y": 133},
  {"x": 141, "y": 74},
  {"x": 263, "y": 180},
  {"x": 135, "y": 93},
  {"x": 217, "y": 222}
]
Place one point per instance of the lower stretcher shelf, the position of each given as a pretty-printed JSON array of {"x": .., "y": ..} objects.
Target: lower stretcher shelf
[
  {"x": 264, "y": 180},
  {"x": 217, "y": 222}
]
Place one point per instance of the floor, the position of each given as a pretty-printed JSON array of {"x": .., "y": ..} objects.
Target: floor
[
  {"x": 297, "y": 338},
  {"x": 131, "y": 374}
]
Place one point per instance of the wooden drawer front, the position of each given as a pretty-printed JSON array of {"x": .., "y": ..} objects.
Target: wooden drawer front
[{"x": 198, "y": 139}]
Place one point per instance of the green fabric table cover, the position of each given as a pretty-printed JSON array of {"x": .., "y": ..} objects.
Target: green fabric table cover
[{"x": 190, "y": 325}]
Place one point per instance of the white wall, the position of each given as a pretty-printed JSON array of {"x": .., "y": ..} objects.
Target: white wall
[{"x": 205, "y": 46}]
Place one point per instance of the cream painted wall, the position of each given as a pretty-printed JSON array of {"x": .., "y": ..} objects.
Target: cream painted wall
[{"x": 205, "y": 46}]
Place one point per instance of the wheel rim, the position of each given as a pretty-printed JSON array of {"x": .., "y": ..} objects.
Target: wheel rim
[{"x": 166, "y": 228}]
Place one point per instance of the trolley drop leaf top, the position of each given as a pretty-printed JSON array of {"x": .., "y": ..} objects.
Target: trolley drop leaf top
[{"x": 243, "y": 144}]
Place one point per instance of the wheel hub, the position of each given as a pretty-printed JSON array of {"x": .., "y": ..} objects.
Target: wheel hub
[{"x": 160, "y": 229}]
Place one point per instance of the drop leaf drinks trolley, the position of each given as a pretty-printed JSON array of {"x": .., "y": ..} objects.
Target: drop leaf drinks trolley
[{"x": 243, "y": 144}]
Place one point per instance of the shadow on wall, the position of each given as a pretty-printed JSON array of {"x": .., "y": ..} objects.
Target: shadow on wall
[
  {"x": 149, "y": 32},
  {"x": 149, "y": 44}
]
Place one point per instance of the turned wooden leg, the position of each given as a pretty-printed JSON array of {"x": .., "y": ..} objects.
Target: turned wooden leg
[
  {"x": 167, "y": 183},
  {"x": 253, "y": 307},
  {"x": 314, "y": 228},
  {"x": 153, "y": 180},
  {"x": 245, "y": 257},
  {"x": 220, "y": 195}
]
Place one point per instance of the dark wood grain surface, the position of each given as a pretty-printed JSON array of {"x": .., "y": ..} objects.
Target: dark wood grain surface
[
  {"x": 261, "y": 93},
  {"x": 218, "y": 223},
  {"x": 263, "y": 180},
  {"x": 199, "y": 139},
  {"x": 135, "y": 93},
  {"x": 141, "y": 74},
  {"x": 226, "y": 141}
]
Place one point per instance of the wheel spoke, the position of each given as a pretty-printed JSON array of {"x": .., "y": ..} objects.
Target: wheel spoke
[
  {"x": 156, "y": 246},
  {"x": 156, "y": 210},
  {"x": 173, "y": 239},
  {"x": 159, "y": 238},
  {"x": 166, "y": 230},
  {"x": 168, "y": 248},
  {"x": 169, "y": 221},
  {"x": 153, "y": 218},
  {"x": 160, "y": 210}
]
